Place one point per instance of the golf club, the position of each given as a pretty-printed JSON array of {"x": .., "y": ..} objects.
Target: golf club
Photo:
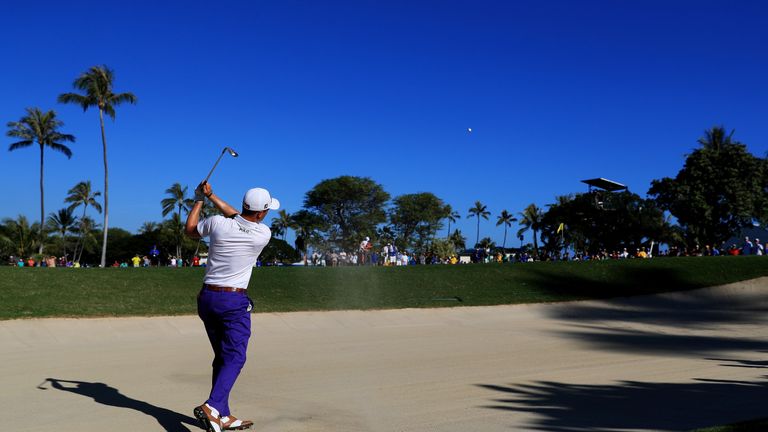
[{"x": 226, "y": 150}]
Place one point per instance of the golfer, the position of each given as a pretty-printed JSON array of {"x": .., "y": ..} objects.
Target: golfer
[{"x": 236, "y": 240}]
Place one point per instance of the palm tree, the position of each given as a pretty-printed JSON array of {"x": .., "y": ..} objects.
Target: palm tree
[
  {"x": 177, "y": 199},
  {"x": 530, "y": 219},
  {"x": 62, "y": 222},
  {"x": 148, "y": 227},
  {"x": 96, "y": 84},
  {"x": 83, "y": 195},
  {"x": 486, "y": 243},
  {"x": 41, "y": 128},
  {"x": 715, "y": 139},
  {"x": 85, "y": 231},
  {"x": 458, "y": 239},
  {"x": 21, "y": 234},
  {"x": 453, "y": 216},
  {"x": 479, "y": 210},
  {"x": 281, "y": 223},
  {"x": 506, "y": 219}
]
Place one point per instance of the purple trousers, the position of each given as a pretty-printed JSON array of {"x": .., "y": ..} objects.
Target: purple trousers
[{"x": 227, "y": 320}]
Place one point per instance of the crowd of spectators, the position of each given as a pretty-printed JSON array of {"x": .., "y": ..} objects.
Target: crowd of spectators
[{"x": 389, "y": 255}]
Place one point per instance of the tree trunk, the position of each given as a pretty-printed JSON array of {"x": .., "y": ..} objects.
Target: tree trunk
[
  {"x": 106, "y": 192},
  {"x": 42, "y": 202},
  {"x": 535, "y": 244},
  {"x": 477, "y": 238},
  {"x": 504, "y": 244},
  {"x": 80, "y": 237}
]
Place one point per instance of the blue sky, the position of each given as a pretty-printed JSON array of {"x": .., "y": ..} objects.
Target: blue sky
[{"x": 554, "y": 91}]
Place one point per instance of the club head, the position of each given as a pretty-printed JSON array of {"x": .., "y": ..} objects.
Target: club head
[{"x": 231, "y": 151}]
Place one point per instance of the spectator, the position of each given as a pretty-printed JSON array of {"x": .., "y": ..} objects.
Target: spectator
[
  {"x": 136, "y": 260},
  {"x": 746, "y": 248},
  {"x": 759, "y": 248}
]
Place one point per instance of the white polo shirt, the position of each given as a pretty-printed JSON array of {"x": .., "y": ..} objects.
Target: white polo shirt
[{"x": 234, "y": 246}]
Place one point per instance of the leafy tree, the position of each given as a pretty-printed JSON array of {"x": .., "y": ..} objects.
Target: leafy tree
[
  {"x": 349, "y": 206},
  {"x": 306, "y": 225},
  {"x": 96, "y": 87},
  {"x": 478, "y": 211},
  {"x": 279, "y": 251},
  {"x": 443, "y": 248},
  {"x": 530, "y": 219},
  {"x": 506, "y": 219},
  {"x": 385, "y": 234},
  {"x": 148, "y": 227},
  {"x": 62, "y": 223},
  {"x": 631, "y": 222},
  {"x": 41, "y": 128},
  {"x": 720, "y": 189},
  {"x": 452, "y": 217},
  {"x": 419, "y": 213}
]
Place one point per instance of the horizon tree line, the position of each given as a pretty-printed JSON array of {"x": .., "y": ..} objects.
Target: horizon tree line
[{"x": 720, "y": 189}]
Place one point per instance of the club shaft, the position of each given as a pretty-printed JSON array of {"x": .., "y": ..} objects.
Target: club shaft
[{"x": 214, "y": 167}]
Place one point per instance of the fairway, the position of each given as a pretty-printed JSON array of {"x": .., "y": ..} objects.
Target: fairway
[{"x": 61, "y": 292}]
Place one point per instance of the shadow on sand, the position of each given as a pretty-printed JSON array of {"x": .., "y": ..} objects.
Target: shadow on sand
[
  {"x": 101, "y": 393},
  {"x": 703, "y": 324},
  {"x": 630, "y": 405}
]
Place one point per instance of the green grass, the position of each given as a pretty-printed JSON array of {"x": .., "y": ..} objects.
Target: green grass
[
  {"x": 41, "y": 292},
  {"x": 748, "y": 426}
]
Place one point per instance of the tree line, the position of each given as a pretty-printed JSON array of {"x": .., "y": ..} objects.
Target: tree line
[
  {"x": 721, "y": 189},
  {"x": 94, "y": 90}
]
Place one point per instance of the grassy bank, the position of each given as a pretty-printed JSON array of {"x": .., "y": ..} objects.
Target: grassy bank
[{"x": 41, "y": 292}]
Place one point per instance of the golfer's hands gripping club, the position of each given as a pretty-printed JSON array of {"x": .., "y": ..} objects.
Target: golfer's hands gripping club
[{"x": 203, "y": 191}]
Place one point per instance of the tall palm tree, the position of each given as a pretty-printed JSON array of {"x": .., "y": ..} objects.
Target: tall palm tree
[
  {"x": 530, "y": 219},
  {"x": 177, "y": 199},
  {"x": 62, "y": 223},
  {"x": 715, "y": 139},
  {"x": 506, "y": 219},
  {"x": 41, "y": 128},
  {"x": 453, "y": 216},
  {"x": 479, "y": 211},
  {"x": 96, "y": 84},
  {"x": 82, "y": 194}
]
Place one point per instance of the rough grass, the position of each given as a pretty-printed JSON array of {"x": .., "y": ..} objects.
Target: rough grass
[{"x": 61, "y": 292}]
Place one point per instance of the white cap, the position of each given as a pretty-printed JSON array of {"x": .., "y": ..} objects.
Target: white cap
[{"x": 258, "y": 199}]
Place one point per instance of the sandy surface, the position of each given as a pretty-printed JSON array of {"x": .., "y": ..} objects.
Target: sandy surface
[{"x": 669, "y": 362}]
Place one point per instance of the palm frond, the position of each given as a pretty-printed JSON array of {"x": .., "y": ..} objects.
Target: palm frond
[
  {"x": 20, "y": 144},
  {"x": 120, "y": 98},
  {"x": 61, "y": 148},
  {"x": 73, "y": 98}
]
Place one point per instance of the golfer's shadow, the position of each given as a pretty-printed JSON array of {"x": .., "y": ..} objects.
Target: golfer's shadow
[{"x": 169, "y": 420}]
